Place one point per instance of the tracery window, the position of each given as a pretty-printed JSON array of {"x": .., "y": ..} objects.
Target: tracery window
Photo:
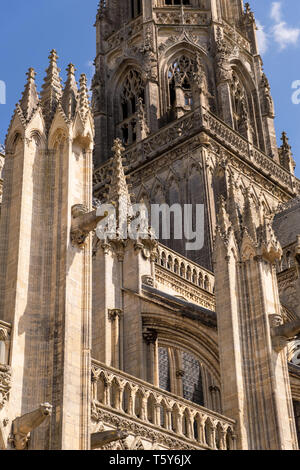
[
  {"x": 180, "y": 78},
  {"x": 181, "y": 373},
  {"x": 132, "y": 99}
]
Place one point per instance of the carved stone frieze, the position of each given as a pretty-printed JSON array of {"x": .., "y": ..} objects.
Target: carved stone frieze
[
  {"x": 101, "y": 415},
  {"x": 5, "y": 384}
]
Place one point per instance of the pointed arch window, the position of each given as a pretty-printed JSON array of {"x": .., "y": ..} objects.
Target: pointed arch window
[
  {"x": 181, "y": 373},
  {"x": 180, "y": 79},
  {"x": 239, "y": 106},
  {"x": 243, "y": 109},
  {"x": 132, "y": 106}
]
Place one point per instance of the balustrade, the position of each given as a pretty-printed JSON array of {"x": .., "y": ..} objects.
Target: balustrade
[
  {"x": 138, "y": 400},
  {"x": 185, "y": 268}
]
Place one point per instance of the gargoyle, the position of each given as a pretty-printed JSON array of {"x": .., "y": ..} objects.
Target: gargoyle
[
  {"x": 22, "y": 426},
  {"x": 83, "y": 222},
  {"x": 101, "y": 439},
  {"x": 281, "y": 334}
]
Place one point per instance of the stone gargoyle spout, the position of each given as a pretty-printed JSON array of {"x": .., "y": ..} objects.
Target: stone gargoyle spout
[
  {"x": 288, "y": 330},
  {"x": 100, "y": 439},
  {"x": 22, "y": 426}
]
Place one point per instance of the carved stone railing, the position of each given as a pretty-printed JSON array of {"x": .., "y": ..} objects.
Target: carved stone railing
[
  {"x": 185, "y": 277},
  {"x": 166, "y": 15},
  {"x": 120, "y": 398},
  {"x": 190, "y": 125}
]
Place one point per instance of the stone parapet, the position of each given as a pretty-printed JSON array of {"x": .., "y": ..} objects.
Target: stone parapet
[{"x": 123, "y": 401}]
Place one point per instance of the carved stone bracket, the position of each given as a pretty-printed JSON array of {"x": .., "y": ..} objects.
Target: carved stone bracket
[
  {"x": 114, "y": 314},
  {"x": 83, "y": 223},
  {"x": 282, "y": 333},
  {"x": 148, "y": 281},
  {"x": 150, "y": 336}
]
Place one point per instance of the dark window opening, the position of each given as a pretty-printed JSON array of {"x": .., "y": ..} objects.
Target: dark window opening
[
  {"x": 136, "y": 8},
  {"x": 177, "y": 2}
]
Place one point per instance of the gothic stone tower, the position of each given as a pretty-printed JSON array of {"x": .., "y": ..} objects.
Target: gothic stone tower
[
  {"x": 181, "y": 83},
  {"x": 45, "y": 275}
]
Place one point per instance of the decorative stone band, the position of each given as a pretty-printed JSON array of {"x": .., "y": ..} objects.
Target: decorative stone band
[
  {"x": 128, "y": 403},
  {"x": 191, "y": 125}
]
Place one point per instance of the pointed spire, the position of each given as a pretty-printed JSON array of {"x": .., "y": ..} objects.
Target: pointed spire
[
  {"x": 30, "y": 98},
  {"x": 248, "y": 216},
  {"x": 285, "y": 154},
  {"x": 52, "y": 88},
  {"x": 70, "y": 94},
  {"x": 233, "y": 207},
  {"x": 222, "y": 217},
  {"x": 84, "y": 104},
  {"x": 118, "y": 188}
]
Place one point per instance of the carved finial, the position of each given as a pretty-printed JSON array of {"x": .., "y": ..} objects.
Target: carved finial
[
  {"x": 222, "y": 217},
  {"x": 268, "y": 104},
  {"x": 233, "y": 207},
  {"x": 84, "y": 104},
  {"x": 269, "y": 245},
  {"x": 52, "y": 88},
  {"x": 30, "y": 98},
  {"x": 248, "y": 12},
  {"x": 248, "y": 216},
  {"x": 118, "y": 189},
  {"x": 285, "y": 154},
  {"x": 69, "y": 99}
]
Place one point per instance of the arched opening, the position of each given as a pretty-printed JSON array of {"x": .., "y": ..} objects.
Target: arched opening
[
  {"x": 132, "y": 104},
  {"x": 180, "y": 79}
]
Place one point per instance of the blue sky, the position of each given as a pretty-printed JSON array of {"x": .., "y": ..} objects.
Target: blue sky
[{"x": 31, "y": 28}]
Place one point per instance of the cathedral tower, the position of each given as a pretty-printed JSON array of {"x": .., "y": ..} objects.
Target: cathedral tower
[{"x": 178, "y": 82}]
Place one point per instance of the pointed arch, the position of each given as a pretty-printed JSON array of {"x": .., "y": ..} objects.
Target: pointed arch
[
  {"x": 178, "y": 68},
  {"x": 246, "y": 105},
  {"x": 127, "y": 92}
]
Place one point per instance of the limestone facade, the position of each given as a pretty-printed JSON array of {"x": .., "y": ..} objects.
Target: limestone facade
[{"x": 139, "y": 343}]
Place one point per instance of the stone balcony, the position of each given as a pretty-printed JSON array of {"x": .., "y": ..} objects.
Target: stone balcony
[
  {"x": 179, "y": 276},
  {"x": 122, "y": 401}
]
